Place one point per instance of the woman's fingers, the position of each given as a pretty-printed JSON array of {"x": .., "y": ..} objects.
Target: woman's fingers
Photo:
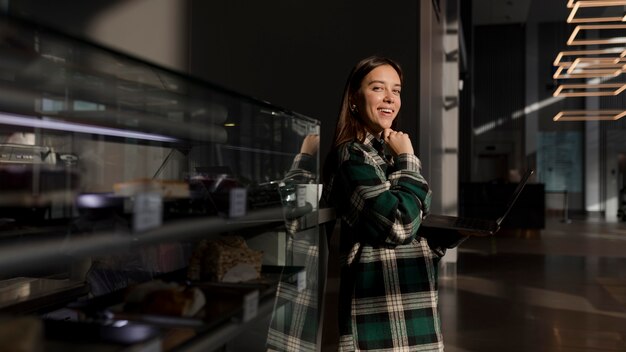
[{"x": 399, "y": 142}]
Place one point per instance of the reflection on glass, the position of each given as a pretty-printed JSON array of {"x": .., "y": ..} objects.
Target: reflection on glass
[
  {"x": 296, "y": 313},
  {"x": 88, "y": 135}
]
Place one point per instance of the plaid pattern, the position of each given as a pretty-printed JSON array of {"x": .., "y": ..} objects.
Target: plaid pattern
[
  {"x": 388, "y": 291},
  {"x": 295, "y": 319},
  {"x": 303, "y": 171}
]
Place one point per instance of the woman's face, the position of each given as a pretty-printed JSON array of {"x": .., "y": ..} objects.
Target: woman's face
[{"x": 378, "y": 98}]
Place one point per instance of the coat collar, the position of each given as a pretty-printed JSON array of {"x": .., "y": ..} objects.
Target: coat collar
[{"x": 375, "y": 142}]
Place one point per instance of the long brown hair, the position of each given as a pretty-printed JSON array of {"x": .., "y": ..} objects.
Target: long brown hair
[{"x": 350, "y": 124}]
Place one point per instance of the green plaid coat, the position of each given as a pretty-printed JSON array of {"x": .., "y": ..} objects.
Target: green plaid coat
[{"x": 388, "y": 291}]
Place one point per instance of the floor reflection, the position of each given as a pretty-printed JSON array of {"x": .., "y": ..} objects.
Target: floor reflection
[{"x": 563, "y": 290}]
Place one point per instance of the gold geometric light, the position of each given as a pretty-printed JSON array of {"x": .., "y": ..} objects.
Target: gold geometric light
[
  {"x": 587, "y": 115},
  {"x": 603, "y": 27},
  {"x": 598, "y": 63},
  {"x": 571, "y": 3},
  {"x": 587, "y": 73},
  {"x": 595, "y": 4},
  {"x": 594, "y": 63},
  {"x": 609, "y": 54},
  {"x": 589, "y": 90}
]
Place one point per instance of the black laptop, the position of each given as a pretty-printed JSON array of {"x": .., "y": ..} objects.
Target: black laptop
[{"x": 476, "y": 226}]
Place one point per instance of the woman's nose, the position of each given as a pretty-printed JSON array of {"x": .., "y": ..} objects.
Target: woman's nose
[{"x": 388, "y": 98}]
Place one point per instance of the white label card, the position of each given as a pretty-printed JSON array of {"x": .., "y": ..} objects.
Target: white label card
[
  {"x": 250, "y": 305},
  {"x": 301, "y": 281},
  {"x": 301, "y": 196},
  {"x": 238, "y": 198},
  {"x": 147, "y": 211}
]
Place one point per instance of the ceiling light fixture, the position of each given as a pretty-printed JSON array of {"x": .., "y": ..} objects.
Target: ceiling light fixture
[
  {"x": 593, "y": 67},
  {"x": 593, "y": 64},
  {"x": 589, "y": 90},
  {"x": 614, "y": 54},
  {"x": 586, "y": 73},
  {"x": 600, "y": 27},
  {"x": 585, "y": 115},
  {"x": 572, "y": 3},
  {"x": 595, "y": 4}
]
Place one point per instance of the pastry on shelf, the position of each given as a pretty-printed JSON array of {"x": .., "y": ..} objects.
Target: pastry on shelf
[
  {"x": 161, "y": 298},
  {"x": 227, "y": 259}
]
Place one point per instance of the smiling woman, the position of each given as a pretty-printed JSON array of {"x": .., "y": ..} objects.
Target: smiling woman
[{"x": 388, "y": 291}]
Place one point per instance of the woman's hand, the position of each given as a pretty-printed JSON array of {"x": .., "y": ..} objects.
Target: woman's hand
[{"x": 399, "y": 142}]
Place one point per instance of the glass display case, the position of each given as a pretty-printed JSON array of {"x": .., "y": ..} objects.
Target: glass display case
[{"x": 141, "y": 208}]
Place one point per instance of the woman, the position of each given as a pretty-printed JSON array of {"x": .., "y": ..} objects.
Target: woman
[{"x": 388, "y": 292}]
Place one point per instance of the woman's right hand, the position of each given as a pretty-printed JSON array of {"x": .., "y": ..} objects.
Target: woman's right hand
[
  {"x": 311, "y": 144},
  {"x": 399, "y": 142}
]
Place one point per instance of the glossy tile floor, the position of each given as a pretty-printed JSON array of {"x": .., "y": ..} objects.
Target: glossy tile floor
[{"x": 561, "y": 289}]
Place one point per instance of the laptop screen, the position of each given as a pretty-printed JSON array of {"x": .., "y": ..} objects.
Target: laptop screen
[{"x": 516, "y": 194}]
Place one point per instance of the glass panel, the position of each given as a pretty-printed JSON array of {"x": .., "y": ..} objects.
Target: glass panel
[{"x": 115, "y": 172}]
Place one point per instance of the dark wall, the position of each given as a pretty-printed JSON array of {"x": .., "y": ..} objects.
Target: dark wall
[
  {"x": 499, "y": 84},
  {"x": 69, "y": 16},
  {"x": 152, "y": 30},
  {"x": 298, "y": 54}
]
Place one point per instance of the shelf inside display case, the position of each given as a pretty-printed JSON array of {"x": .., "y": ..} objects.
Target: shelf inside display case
[{"x": 32, "y": 295}]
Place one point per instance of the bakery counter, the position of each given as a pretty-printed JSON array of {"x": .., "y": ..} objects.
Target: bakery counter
[
  {"x": 114, "y": 174},
  {"x": 231, "y": 309}
]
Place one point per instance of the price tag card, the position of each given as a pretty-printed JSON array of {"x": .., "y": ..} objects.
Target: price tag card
[
  {"x": 301, "y": 196},
  {"x": 301, "y": 281},
  {"x": 237, "y": 199},
  {"x": 147, "y": 211},
  {"x": 250, "y": 305}
]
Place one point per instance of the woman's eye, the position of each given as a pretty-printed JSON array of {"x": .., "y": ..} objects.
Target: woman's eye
[
  {"x": 397, "y": 92},
  {"x": 377, "y": 89}
]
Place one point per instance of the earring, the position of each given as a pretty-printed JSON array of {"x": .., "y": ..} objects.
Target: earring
[{"x": 353, "y": 108}]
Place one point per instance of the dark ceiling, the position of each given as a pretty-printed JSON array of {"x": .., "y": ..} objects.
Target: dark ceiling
[{"x": 486, "y": 12}]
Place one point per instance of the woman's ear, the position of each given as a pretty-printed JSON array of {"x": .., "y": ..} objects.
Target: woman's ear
[{"x": 352, "y": 104}]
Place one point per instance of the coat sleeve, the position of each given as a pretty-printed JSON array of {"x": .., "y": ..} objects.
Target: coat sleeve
[
  {"x": 383, "y": 209},
  {"x": 303, "y": 169}
]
